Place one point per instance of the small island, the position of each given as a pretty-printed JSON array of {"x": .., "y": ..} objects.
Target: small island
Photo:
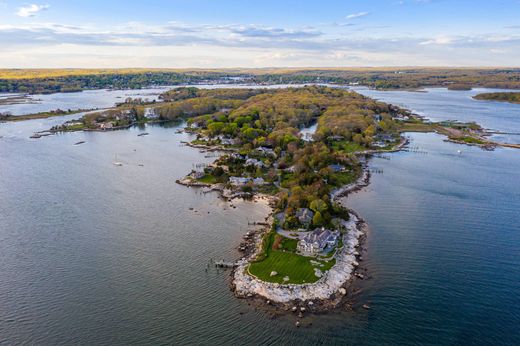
[{"x": 511, "y": 97}]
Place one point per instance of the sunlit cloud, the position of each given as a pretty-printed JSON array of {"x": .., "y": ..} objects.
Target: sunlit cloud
[{"x": 31, "y": 10}]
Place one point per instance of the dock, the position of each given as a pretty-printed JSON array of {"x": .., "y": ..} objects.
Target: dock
[{"x": 225, "y": 264}]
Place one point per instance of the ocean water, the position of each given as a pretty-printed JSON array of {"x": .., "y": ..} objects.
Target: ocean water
[
  {"x": 87, "y": 99},
  {"x": 91, "y": 253},
  {"x": 439, "y": 104}
]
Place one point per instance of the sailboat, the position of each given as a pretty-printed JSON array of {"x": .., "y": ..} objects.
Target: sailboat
[{"x": 115, "y": 162}]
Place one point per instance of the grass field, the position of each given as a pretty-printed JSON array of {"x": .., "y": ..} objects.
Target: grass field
[
  {"x": 298, "y": 268},
  {"x": 208, "y": 179}
]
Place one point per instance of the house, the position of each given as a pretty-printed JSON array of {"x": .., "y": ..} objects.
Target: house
[
  {"x": 239, "y": 181},
  {"x": 149, "y": 113},
  {"x": 228, "y": 141},
  {"x": 106, "y": 126},
  {"x": 304, "y": 215},
  {"x": 317, "y": 241},
  {"x": 335, "y": 138},
  {"x": 337, "y": 168},
  {"x": 259, "y": 181},
  {"x": 254, "y": 162},
  {"x": 237, "y": 156},
  {"x": 266, "y": 151},
  {"x": 385, "y": 138},
  {"x": 197, "y": 175}
]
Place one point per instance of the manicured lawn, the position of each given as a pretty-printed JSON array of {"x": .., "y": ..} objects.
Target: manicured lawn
[
  {"x": 208, "y": 179},
  {"x": 298, "y": 268},
  {"x": 289, "y": 244}
]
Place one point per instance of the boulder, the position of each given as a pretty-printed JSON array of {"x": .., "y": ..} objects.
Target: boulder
[{"x": 273, "y": 273}]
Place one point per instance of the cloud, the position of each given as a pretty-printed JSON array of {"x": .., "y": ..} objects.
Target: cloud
[
  {"x": 175, "y": 44},
  {"x": 267, "y": 32},
  {"x": 357, "y": 15},
  {"x": 31, "y": 10},
  {"x": 438, "y": 41}
]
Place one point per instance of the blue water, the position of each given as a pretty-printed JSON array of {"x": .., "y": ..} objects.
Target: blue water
[
  {"x": 444, "y": 250},
  {"x": 438, "y": 104},
  {"x": 91, "y": 253},
  {"x": 87, "y": 99}
]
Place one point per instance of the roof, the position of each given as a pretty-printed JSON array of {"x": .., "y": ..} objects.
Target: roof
[
  {"x": 320, "y": 236},
  {"x": 304, "y": 214}
]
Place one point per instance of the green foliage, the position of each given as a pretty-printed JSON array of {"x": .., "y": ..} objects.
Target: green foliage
[
  {"x": 317, "y": 220},
  {"x": 318, "y": 205}
]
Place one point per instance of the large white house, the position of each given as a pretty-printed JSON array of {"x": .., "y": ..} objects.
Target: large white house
[{"x": 317, "y": 241}]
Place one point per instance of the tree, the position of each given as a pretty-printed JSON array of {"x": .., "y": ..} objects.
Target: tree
[
  {"x": 318, "y": 206},
  {"x": 215, "y": 128},
  {"x": 317, "y": 220}
]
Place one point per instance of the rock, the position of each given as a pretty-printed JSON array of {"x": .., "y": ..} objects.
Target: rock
[
  {"x": 294, "y": 308},
  {"x": 285, "y": 279},
  {"x": 300, "y": 315},
  {"x": 273, "y": 273},
  {"x": 249, "y": 295},
  {"x": 302, "y": 309},
  {"x": 310, "y": 303},
  {"x": 297, "y": 324},
  {"x": 342, "y": 291},
  {"x": 361, "y": 276},
  {"x": 268, "y": 302},
  {"x": 318, "y": 273},
  {"x": 365, "y": 306}
]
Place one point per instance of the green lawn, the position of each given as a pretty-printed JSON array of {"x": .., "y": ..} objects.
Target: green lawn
[
  {"x": 208, "y": 179},
  {"x": 289, "y": 244},
  {"x": 298, "y": 268},
  {"x": 347, "y": 147}
]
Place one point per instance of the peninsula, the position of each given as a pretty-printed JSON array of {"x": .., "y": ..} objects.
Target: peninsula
[
  {"x": 302, "y": 148},
  {"x": 511, "y": 97}
]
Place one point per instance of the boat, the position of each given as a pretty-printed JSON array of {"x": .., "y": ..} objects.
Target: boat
[
  {"x": 115, "y": 162},
  {"x": 143, "y": 134}
]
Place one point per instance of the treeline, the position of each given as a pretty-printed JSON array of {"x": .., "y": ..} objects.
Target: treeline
[
  {"x": 384, "y": 78},
  {"x": 97, "y": 81}
]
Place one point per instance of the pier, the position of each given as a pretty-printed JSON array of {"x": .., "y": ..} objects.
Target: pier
[{"x": 225, "y": 264}]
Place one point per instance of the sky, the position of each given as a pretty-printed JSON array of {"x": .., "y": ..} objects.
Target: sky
[{"x": 266, "y": 33}]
